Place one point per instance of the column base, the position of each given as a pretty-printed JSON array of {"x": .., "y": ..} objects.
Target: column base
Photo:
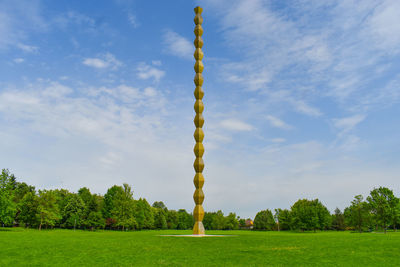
[{"x": 198, "y": 228}]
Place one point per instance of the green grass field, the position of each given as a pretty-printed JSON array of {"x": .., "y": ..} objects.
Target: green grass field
[{"x": 20, "y": 247}]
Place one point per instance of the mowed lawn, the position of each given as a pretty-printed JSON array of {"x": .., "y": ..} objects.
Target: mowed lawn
[{"x": 20, "y": 247}]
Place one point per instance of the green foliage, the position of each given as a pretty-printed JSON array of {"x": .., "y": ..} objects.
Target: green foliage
[
  {"x": 185, "y": 220},
  {"x": 396, "y": 216},
  {"x": 94, "y": 220},
  {"x": 21, "y": 189},
  {"x": 357, "y": 215},
  {"x": 29, "y": 208},
  {"x": 110, "y": 199},
  {"x": 20, "y": 205},
  {"x": 264, "y": 220},
  {"x": 62, "y": 200},
  {"x": 144, "y": 215},
  {"x": 159, "y": 205},
  {"x": 207, "y": 220},
  {"x": 172, "y": 219},
  {"x": 89, "y": 200},
  {"x": 338, "y": 220},
  {"x": 160, "y": 220},
  {"x": 8, "y": 208},
  {"x": 310, "y": 215},
  {"x": 242, "y": 223},
  {"x": 231, "y": 222},
  {"x": 91, "y": 216},
  {"x": 73, "y": 211},
  {"x": 48, "y": 211},
  {"x": 120, "y": 207},
  {"x": 383, "y": 205},
  {"x": 283, "y": 219},
  {"x": 218, "y": 221}
]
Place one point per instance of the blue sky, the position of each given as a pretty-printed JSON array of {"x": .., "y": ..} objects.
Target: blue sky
[{"x": 301, "y": 99}]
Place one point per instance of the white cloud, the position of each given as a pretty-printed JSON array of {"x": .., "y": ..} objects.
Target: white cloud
[
  {"x": 178, "y": 45},
  {"x": 346, "y": 139},
  {"x": 348, "y": 123},
  {"x": 236, "y": 125},
  {"x": 133, "y": 20},
  {"x": 278, "y": 140},
  {"x": 132, "y": 95},
  {"x": 304, "y": 108},
  {"x": 27, "y": 48},
  {"x": 125, "y": 93},
  {"x": 349, "y": 142},
  {"x": 285, "y": 59},
  {"x": 71, "y": 18},
  {"x": 111, "y": 159},
  {"x": 56, "y": 90},
  {"x": 103, "y": 62},
  {"x": 95, "y": 62},
  {"x": 385, "y": 97},
  {"x": 79, "y": 18},
  {"x": 18, "y": 60},
  {"x": 18, "y": 20},
  {"x": 145, "y": 72},
  {"x": 384, "y": 26},
  {"x": 311, "y": 59},
  {"x": 98, "y": 140},
  {"x": 278, "y": 123},
  {"x": 150, "y": 91}
]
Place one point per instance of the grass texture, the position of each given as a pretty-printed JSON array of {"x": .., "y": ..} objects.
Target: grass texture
[{"x": 21, "y": 247}]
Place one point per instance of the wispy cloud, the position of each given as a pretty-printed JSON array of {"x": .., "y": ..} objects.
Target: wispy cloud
[
  {"x": 336, "y": 60},
  {"x": 18, "y": 60},
  {"x": 27, "y": 48},
  {"x": 236, "y": 125},
  {"x": 133, "y": 20},
  {"x": 178, "y": 45},
  {"x": 347, "y": 140},
  {"x": 106, "y": 61},
  {"x": 305, "y": 108},
  {"x": 321, "y": 67},
  {"x": 122, "y": 126},
  {"x": 18, "y": 19},
  {"x": 348, "y": 123},
  {"x": 278, "y": 140},
  {"x": 156, "y": 63},
  {"x": 145, "y": 72},
  {"x": 75, "y": 18},
  {"x": 384, "y": 26},
  {"x": 278, "y": 123}
]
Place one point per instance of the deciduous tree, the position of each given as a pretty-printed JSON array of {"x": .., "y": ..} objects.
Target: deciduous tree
[
  {"x": 7, "y": 206},
  {"x": 357, "y": 214},
  {"x": 283, "y": 219},
  {"x": 29, "y": 209},
  {"x": 383, "y": 205},
  {"x": 338, "y": 220},
  {"x": 264, "y": 220},
  {"x": 310, "y": 215},
  {"x": 48, "y": 212}
]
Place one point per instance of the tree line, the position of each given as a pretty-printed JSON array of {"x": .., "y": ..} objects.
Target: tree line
[
  {"x": 22, "y": 205},
  {"x": 379, "y": 211}
]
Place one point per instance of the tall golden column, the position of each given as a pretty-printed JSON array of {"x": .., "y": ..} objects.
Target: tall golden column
[{"x": 198, "y": 164}]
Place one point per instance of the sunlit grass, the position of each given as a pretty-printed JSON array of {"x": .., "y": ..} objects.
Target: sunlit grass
[{"x": 20, "y": 247}]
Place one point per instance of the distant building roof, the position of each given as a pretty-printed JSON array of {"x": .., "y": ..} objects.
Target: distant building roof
[{"x": 249, "y": 222}]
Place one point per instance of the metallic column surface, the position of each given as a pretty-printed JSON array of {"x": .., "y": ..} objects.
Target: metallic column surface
[{"x": 198, "y": 164}]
